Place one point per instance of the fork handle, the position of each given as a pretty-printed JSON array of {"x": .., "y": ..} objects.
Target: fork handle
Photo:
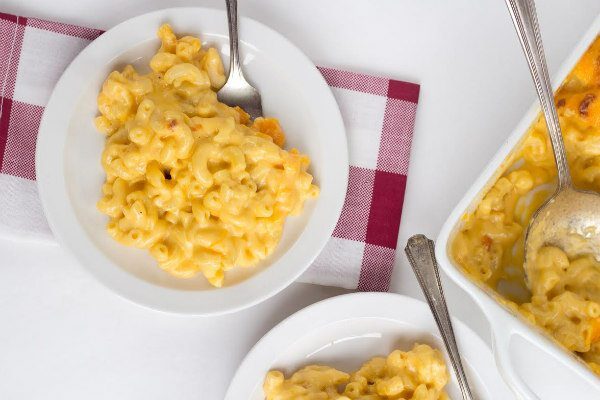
[
  {"x": 525, "y": 20},
  {"x": 420, "y": 252},
  {"x": 234, "y": 56}
]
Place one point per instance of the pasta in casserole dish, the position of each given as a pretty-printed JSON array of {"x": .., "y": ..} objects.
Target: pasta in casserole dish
[{"x": 561, "y": 294}]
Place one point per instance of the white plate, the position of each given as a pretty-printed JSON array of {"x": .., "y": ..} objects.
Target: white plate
[
  {"x": 346, "y": 331},
  {"x": 70, "y": 176}
]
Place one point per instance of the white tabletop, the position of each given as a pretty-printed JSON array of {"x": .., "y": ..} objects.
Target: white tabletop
[{"x": 62, "y": 335}]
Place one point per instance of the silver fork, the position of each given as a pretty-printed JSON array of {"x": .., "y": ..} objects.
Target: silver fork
[
  {"x": 421, "y": 254},
  {"x": 237, "y": 91}
]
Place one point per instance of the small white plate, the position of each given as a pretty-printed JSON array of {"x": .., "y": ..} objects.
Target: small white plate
[
  {"x": 70, "y": 176},
  {"x": 346, "y": 331}
]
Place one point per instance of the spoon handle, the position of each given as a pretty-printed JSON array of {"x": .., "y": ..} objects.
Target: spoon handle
[
  {"x": 525, "y": 20},
  {"x": 420, "y": 252},
  {"x": 235, "y": 69}
]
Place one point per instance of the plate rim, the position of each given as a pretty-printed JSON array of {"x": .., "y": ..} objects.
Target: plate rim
[
  {"x": 56, "y": 201},
  {"x": 326, "y": 309}
]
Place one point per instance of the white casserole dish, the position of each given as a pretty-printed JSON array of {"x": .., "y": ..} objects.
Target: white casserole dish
[{"x": 511, "y": 336}]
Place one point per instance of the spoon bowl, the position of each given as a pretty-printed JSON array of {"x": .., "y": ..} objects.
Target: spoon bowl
[{"x": 569, "y": 220}]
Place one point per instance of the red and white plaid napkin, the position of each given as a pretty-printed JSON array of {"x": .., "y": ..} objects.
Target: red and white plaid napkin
[{"x": 379, "y": 115}]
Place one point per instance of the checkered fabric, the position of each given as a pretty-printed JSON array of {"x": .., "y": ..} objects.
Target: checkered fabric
[{"x": 379, "y": 115}]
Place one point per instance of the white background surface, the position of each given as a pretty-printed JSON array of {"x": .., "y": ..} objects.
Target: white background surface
[{"x": 64, "y": 336}]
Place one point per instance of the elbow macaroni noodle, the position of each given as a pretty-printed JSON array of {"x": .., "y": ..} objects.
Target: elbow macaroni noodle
[
  {"x": 188, "y": 178},
  {"x": 418, "y": 374},
  {"x": 563, "y": 291}
]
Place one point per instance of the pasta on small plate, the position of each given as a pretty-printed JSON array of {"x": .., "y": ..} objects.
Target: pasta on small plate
[{"x": 216, "y": 212}]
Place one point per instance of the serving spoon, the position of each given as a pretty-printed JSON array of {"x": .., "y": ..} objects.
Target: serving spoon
[
  {"x": 570, "y": 218},
  {"x": 237, "y": 91}
]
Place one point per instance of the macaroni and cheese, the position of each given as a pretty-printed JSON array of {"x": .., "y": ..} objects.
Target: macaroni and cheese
[
  {"x": 560, "y": 292},
  {"x": 194, "y": 181},
  {"x": 418, "y": 374}
]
